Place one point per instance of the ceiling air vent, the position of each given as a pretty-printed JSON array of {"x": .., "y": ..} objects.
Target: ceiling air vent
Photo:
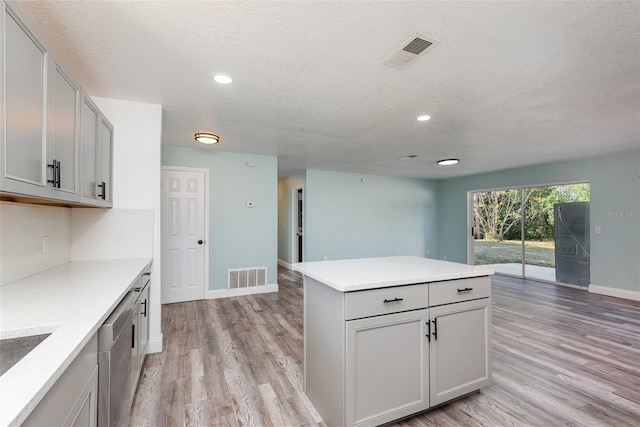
[
  {"x": 408, "y": 52},
  {"x": 417, "y": 46}
]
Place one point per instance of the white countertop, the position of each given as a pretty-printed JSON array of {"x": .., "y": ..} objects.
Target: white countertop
[
  {"x": 72, "y": 301},
  {"x": 371, "y": 273}
]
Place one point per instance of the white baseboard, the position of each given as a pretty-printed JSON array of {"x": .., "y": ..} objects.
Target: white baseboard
[
  {"x": 155, "y": 345},
  {"x": 285, "y": 264},
  {"x": 224, "y": 293},
  {"x": 615, "y": 292}
]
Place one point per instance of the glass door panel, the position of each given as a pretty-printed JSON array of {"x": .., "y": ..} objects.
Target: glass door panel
[
  {"x": 539, "y": 248},
  {"x": 539, "y": 233},
  {"x": 496, "y": 230}
]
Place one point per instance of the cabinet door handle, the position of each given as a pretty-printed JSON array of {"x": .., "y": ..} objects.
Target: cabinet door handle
[
  {"x": 435, "y": 328},
  {"x": 465, "y": 290},
  {"x": 429, "y": 330},
  {"x": 58, "y": 180},
  {"x": 144, "y": 313},
  {"x": 55, "y": 173},
  {"x": 133, "y": 336},
  {"x": 103, "y": 188},
  {"x": 386, "y": 301}
]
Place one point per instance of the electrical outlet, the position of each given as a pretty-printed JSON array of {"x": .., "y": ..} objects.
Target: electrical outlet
[{"x": 45, "y": 244}]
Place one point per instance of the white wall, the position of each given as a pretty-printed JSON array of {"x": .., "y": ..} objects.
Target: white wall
[
  {"x": 22, "y": 227},
  {"x": 614, "y": 207},
  {"x": 240, "y": 237},
  {"x": 136, "y": 175},
  {"x": 359, "y": 216}
]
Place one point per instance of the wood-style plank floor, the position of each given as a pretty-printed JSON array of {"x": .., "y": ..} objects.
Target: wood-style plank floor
[{"x": 562, "y": 356}]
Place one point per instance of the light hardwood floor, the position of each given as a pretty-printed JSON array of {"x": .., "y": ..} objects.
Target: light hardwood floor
[{"x": 561, "y": 357}]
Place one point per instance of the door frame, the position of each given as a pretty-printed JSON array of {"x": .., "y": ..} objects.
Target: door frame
[
  {"x": 294, "y": 222},
  {"x": 206, "y": 221}
]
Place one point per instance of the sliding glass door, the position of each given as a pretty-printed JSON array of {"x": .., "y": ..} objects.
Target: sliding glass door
[{"x": 540, "y": 233}]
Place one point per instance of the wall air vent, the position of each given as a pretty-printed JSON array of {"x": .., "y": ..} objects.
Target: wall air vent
[
  {"x": 247, "y": 277},
  {"x": 408, "y": 52}
]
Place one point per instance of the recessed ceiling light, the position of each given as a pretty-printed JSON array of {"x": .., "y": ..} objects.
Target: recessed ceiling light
[
  {"x": 207, "y": 138},
  {"x": 424, "y": 118},
  {"x": 448, "y": 162},
  {"x": 222, "y": 79}
]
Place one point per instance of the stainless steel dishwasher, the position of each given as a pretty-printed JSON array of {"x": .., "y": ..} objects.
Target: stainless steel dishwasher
[{"x": 114, "y": 366}]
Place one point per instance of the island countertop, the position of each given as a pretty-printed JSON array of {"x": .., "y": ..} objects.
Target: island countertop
[{"x": 371, "y": 273}]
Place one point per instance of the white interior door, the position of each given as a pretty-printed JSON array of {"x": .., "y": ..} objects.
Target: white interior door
[{"x": 183, "y": 234}]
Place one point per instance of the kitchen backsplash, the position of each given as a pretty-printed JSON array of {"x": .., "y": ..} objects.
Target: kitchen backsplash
[
  {"x": 23, "y": 227},
  {"x": 71, "y": 235},
  {"x": 111, "y": 233}
]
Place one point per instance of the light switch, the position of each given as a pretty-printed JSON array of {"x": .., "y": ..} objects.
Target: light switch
[{"x": 598, "y": 230}]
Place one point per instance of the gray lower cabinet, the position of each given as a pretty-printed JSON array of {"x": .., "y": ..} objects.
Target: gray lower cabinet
[
  {"x": 460, "y": 349},
  {"x": 375, "y": 356},
  {"x": 143, "y": 327},
  {"x": 382, "y": 385},
  {"x": 73, "y": 399},
  {"x": 140, "y": 321}
]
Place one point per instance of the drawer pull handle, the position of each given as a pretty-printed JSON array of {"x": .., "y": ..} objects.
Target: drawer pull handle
[
  {"x": 465, "y": 290},
  {"x": 386, "y": 301}
]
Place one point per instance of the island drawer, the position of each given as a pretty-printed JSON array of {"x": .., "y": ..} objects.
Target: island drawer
[
  {"x": 452, "y": 291},
  {"x": 375, "y": 302}
]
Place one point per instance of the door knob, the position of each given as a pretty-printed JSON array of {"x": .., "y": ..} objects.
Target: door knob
[{"x": 200, "y": 242}]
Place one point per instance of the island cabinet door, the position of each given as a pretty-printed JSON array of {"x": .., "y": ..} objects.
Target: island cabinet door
[
  {"x": 387, "y": 363},
  {"x": 460, "y": 349}
]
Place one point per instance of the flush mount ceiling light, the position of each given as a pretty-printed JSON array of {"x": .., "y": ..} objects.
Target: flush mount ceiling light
[
  {"x": 424, "y": 118},
  {"x": 207, "y": 138},
  {"x": 409, "y": 157},
  {"x": 448, "y": 162},
  {"x": 222, "y": 79}
]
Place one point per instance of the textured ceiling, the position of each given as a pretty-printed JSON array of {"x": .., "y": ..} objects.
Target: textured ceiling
[{"x": 508, "y": 83}]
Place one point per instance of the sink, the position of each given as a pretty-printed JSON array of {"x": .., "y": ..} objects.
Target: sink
[{"x": 14, "y": 349}]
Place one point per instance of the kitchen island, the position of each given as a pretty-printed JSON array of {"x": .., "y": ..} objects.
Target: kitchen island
[{"x": 385, "y": 338}]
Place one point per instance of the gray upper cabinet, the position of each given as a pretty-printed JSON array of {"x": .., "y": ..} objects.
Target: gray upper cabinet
[
  {"x": 105, "y": 162},
  {"x": 64, "y": 134},
  {"x": 24, "y": 95},
  {"x": 97, "y": 155},
  {"x": 89, "y": 150},
  {"x": 55, "y": 144}
]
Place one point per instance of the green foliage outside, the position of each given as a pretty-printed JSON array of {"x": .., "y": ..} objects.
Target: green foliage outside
[{"x": 498, "y": 213}]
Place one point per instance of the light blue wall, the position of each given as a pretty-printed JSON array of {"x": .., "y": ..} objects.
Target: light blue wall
[
  {"x": 240, "y": 237},
  {"x": 285, "y": 213},
  {"x": 615, "y": 207},
  {"x": 346, "y": 218}
]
